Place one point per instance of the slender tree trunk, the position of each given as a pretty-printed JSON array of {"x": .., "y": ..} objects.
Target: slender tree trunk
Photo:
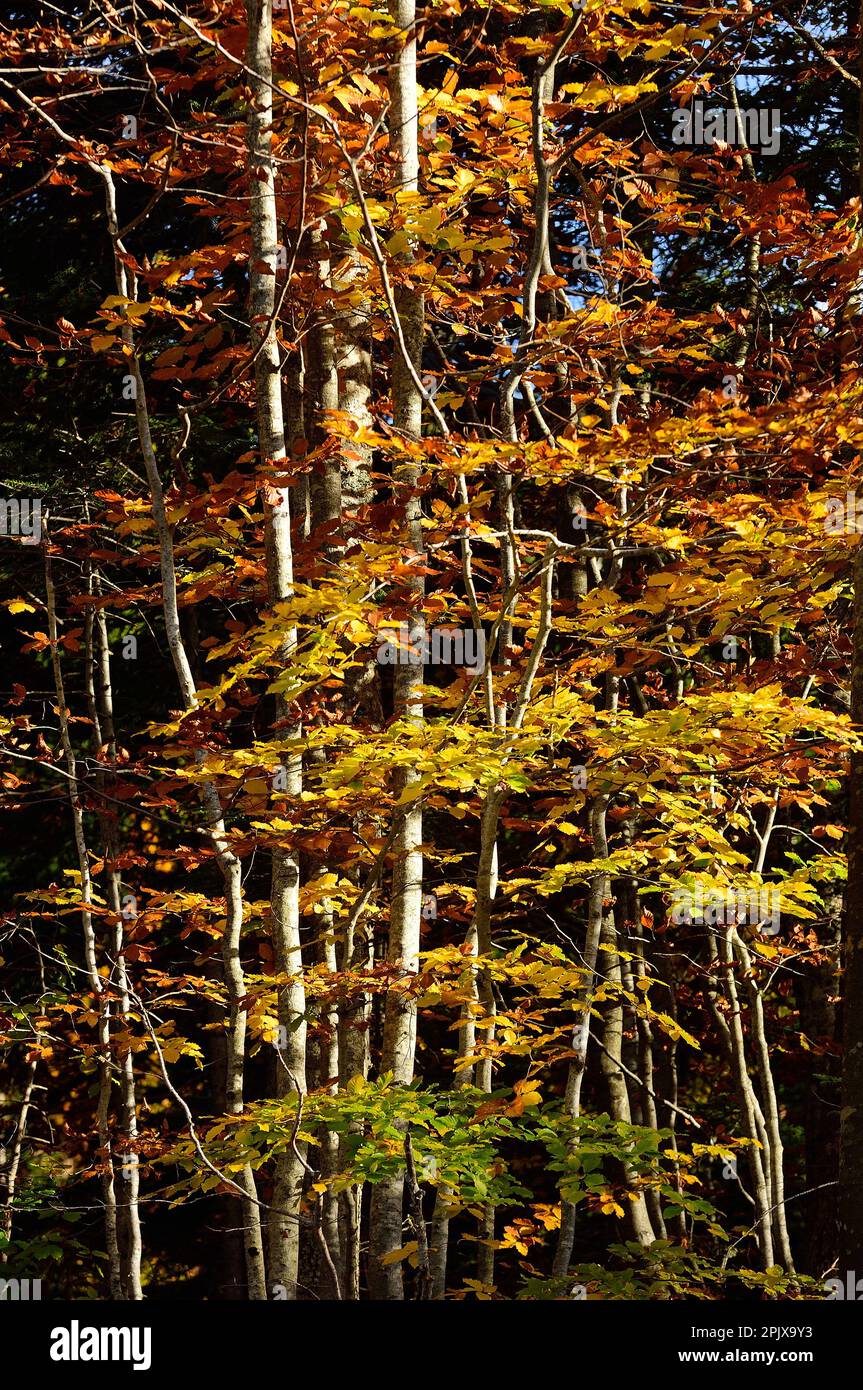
[
  {"x": 102, "y": 1000},
  {"x": 770, "y": 1103},
  {"x": 668, "y": 1074},
  {"x": 284, "y": 1225},
  {"x": 758, "y": 1160},
  {"x": 486, "y": 889},
  {"x": 385, "y": 1281},
  {"x": 11, "y": 1166},
  {"x": 100, "y": 694},
  {"x": 439, "y": 1242},
  {"x": 850, "y": 1215},
  {"x": 599, "y": 890},
  {"x": 354, "y": 1022},
  {"x": 850, "y": 1193},
  {"x": 637, "y": 1219},
  {"x": 645, "y": 1064}
]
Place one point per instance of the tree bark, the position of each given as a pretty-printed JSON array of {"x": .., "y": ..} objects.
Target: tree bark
[
  {"x": 850, "y": 1191},
  {"x": 91, "y": 963},
  {"x": 284, "y": 1224},
  {"x": 599, "y": 890},
  {"x": 385, "y": 1281},
  {"x": 100, "y": 694}
]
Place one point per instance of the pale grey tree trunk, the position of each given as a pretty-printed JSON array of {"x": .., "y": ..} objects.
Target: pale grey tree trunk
[
  {"x": 645, "y": 1067},
  {"x": 284, "y": 1224},
  {"x": 387, "y": 1216},
  {"x": 599, "y": 890},
  {"x": 11, "y": 1165},
  {"x": 100, "y": 692},
  {"x": 758, "y": 1029},
  {"x": 637, "y": 1220},
  {"x": 91, "y": 962},
  {"x": 850, "y": 1189},
  {"x": 758, "y": 1158}
]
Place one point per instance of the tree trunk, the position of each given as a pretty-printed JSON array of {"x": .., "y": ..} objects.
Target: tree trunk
[
  {"x": 385, "y": 1281},
  {"x": 129, "y": 1223},
  {"x": 850, "y": 1193},
  {"x": 284, "y": 1226},
  {"x": 599, "y": 889},
  {"x": 102, "y": 1001}
]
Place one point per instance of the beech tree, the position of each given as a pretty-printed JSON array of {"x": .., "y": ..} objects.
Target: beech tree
[{"x": 430, "y": 597}]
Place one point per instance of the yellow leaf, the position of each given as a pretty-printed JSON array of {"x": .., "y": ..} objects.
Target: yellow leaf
[{"x": 396, "y": 1256}]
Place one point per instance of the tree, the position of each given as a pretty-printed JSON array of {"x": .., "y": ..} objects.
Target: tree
[{"x": 428, "y": 552}]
